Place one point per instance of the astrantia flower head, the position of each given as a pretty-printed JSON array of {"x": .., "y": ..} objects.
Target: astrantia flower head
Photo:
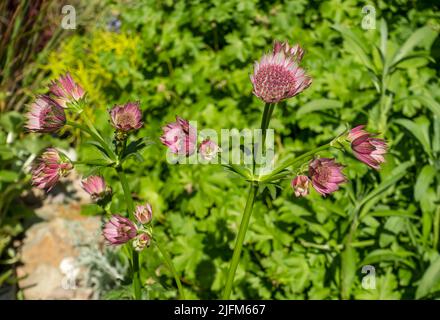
[
  {"x": 96, "y": 187},
  {"x": 278, "y": 76},
  {"x": 119, "y": 230},
  {"x": 127, "y": 117},
  {"x": 66, "y": 91},
  {"x": 45, "y": 115},
  {"x": 180, "y": 137},
  {"x": 143, "y": 214},
  {"x": 209, "y": 149},
  {"x": 366, "y": 148},
  {"x": 50, "y": 167},
  {"x": 301, "y": 185},
  {"x": 326, "y": 175},
  {"x": 141, "y": 241}
]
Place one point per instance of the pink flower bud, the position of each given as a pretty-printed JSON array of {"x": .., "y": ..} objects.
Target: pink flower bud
[
  {"x": 141, "y": 241},
  {"x": 277, "y": 76},
  {"x": 144, "y": 214},
  {"x": 209, "y": 149},
  {"x": 180, "y": 137},
  {"x": 66, "y": 91},
  {"x": 45, "y": 115},
  {"x": 126, "y": 118},
  {"x": 95, "y": 186},
  {"x": 326, "y": 175},
  {"x": 301, "y": 185},
  {"x": 50, "y": 167},
  {"x": 366, "y": 148},
  {"x": 119, "y": 230}
]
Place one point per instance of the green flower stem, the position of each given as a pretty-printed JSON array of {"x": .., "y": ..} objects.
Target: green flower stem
[
  {"x": 134, "y": 255},
  {"x": 244, "y": 224},
  {"x": 240, "y": 239},
  {"x": 294, "y": 162},
  {"x": 170, "y": 264},
  {"x": 90, "y": 129}
]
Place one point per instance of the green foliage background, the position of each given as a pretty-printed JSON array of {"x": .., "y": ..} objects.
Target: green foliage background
[{"x": 193, "y": 59}]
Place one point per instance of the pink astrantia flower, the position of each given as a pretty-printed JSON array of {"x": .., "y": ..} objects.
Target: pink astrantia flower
[
  {"x": 366, "y": 148},
  {"x": 208, "y": 149},
  {"x": 326, "y": 175},
  {"x": 66, "y": 91},
  {"x": 45, "y": 115},
  {"x": 143, "y": 214},
  {"x": 95, "y": 186},
  {"x": 141, "y": 241},
  {"x": 50, "y": 167},
  {"x": 180, "y": 137},
  {"x": 127, "y": 117},
  {"x": 301, "y": 185},
  {"x": 278, "y": 76},
  {"x": 119, "y": 230}
]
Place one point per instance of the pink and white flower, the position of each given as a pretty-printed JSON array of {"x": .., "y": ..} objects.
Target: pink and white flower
[
  {"x": 127, "y": 117},
  {"x": 66, "y": 91},
  {"x": 119, "y": 230},
  {"x": 45, "y": 115},
  {"x": 50, "y": 167},
  {"x": 141, "y": 241},
  {"x": 209, "y": 149},
  {"x": 95, "y": 186},
  {"x": 278, "y": 76},
  {"x": 366, "y": 148},
  {"x": 326, "y": 175},
  {"x": 300, "y": 185},
  {"x": 143, "y": 214},
  {"x": 180, "y": 137}
]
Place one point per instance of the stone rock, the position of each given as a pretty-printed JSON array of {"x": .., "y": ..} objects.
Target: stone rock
[{"x": 49, "y": 266}]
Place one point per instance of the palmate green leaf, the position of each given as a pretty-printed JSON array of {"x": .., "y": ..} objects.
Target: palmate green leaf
[
  {"x": 430, "y": 279},
  {"x": 420, "y": 130},
  {"x": 318, "y": 105},
  {"x": 426, "y": 101},
  {"x": 425, "y": 178},
  {"x": 416, "y": 38}
]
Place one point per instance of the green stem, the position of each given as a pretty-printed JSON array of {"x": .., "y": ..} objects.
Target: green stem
[
  {"x": 90, "y": 129},
  {"x": 295, "y": 161},
  {"x": 134, "y": 255},
  {"x": 244, "y": 224},
  {"x": 170, "y": 264},
  {"x": 240, "y": 239}
]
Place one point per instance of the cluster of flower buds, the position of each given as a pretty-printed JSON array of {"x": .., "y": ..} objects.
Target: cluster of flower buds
[
  {"x": 181, "y": 139},
  {"x": 326, "y": 175},
  {"x": 46, "y": 114},
  {"x": 119, "y": 230}
]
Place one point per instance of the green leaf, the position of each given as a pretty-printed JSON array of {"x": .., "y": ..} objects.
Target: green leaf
[
  {"x": 417, "y": 37},
  {"x": 430, "y": 279},
  {"x": 348, "y": 270},
  {"x": 425, "y": 178},
  {"x": 357, "y": 45},
  {"x": 420, "y": 130},
  {"x": 318, "y": 105},
  {"x": 8, "y": 176}
]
